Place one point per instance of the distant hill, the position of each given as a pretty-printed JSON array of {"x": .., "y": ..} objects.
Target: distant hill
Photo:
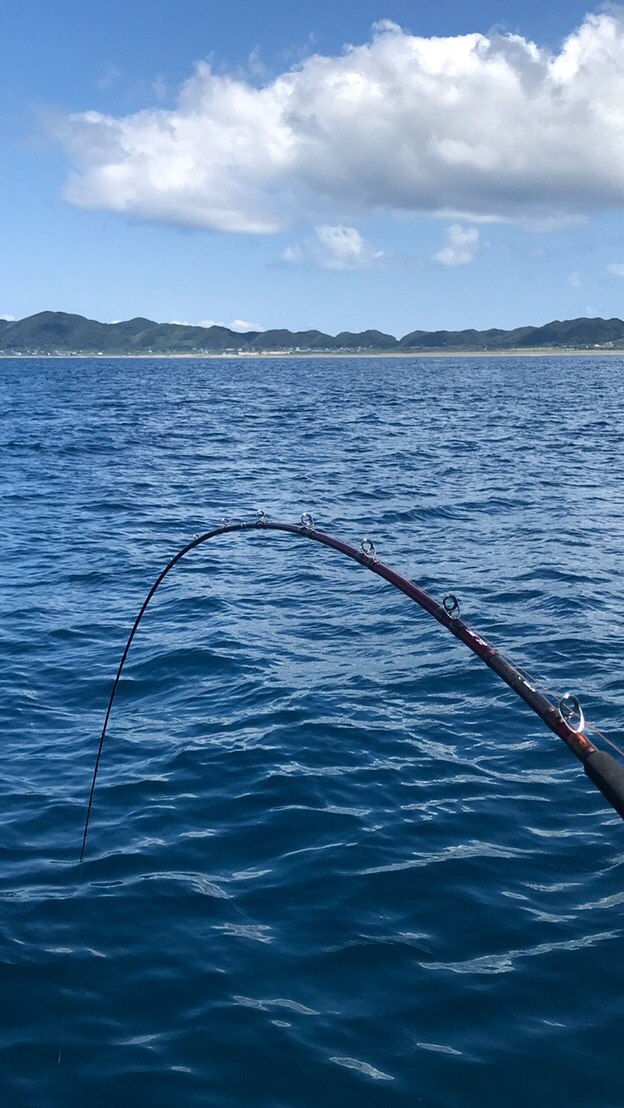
[
  {"x": 365, "y": 340},
  {"x": 292, "y": 340},
  {"x": 61, "y": 333},
  {"x": 577, "y": 334}
]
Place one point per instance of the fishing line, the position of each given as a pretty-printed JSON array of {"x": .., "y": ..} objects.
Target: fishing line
[
  {"x": 556, "y": 698},
  {"x": 563, "y": 715}
]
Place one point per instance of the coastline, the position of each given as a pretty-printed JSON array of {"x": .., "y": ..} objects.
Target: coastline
[{"x": 545, "y": 351}]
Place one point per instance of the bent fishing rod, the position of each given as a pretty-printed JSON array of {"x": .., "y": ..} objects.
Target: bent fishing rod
[{"x": 565, "y": 718}]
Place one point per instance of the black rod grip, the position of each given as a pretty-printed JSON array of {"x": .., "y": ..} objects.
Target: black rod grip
[{"x": 608, "y": 776}]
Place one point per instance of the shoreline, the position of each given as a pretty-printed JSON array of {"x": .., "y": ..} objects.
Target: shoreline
[{"x": 546, "y": 351}]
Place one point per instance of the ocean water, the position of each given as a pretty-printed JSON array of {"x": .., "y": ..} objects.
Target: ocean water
[{"x": 332, "y": 859}]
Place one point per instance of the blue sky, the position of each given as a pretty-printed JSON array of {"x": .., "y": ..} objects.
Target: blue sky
[{"x": 340, "y": 165}]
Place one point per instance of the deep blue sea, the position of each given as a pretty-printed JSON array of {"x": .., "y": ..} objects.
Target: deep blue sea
[{"x": 332, "y": 860}]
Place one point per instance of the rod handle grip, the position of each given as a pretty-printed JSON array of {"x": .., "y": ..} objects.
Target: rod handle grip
[{"x": 608, "y": 776}]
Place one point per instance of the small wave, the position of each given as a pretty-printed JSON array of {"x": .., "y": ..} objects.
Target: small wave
[{"x": 363, "y": 1068}]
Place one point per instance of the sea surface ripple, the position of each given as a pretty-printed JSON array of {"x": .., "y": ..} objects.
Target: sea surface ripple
[{"x": 332, "y": 859}]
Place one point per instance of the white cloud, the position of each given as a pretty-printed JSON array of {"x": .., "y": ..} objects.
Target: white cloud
[
  {"x": 335, "y": 248},
  {"x": 616, "y": 268},
  {"x": 9, "y": 318},
  {"x": 574, "y": 279},
  {"x": 239, "y": 325},
  {"x": 244, "y": 325},
  {"x": 159, "y": 88},
  {"x": 108, "y": 78},
  {"x": 471, "y": 126},
  {"x": 462, "y": 245}
]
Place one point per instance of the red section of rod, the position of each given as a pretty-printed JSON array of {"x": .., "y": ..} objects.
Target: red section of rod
[{"x": 574, "y": 740}]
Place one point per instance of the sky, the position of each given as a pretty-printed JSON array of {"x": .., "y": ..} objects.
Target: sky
[{"x": 340, "y": 165}]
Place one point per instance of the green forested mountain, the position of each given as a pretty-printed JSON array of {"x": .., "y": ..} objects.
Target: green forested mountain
[{"x": 60, "y": 333}]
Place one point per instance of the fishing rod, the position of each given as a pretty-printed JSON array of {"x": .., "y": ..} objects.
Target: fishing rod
[{"x": 566, "y": 718}]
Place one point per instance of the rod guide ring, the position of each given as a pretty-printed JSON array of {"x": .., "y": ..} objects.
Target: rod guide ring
[
  {"x": 569, "y": 710},
  {"x": 451, "y": 605}
]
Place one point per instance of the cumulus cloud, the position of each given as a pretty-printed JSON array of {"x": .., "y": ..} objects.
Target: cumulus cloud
[
  {"x": 462, "y": 244},
  {"x": 486, "y": 127},
  {"x": 239, "y": 325},
  {"x": 9, "y": 318},
  {"x": 335, "y": 248},
  {"x": 616, "y": 268}
]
